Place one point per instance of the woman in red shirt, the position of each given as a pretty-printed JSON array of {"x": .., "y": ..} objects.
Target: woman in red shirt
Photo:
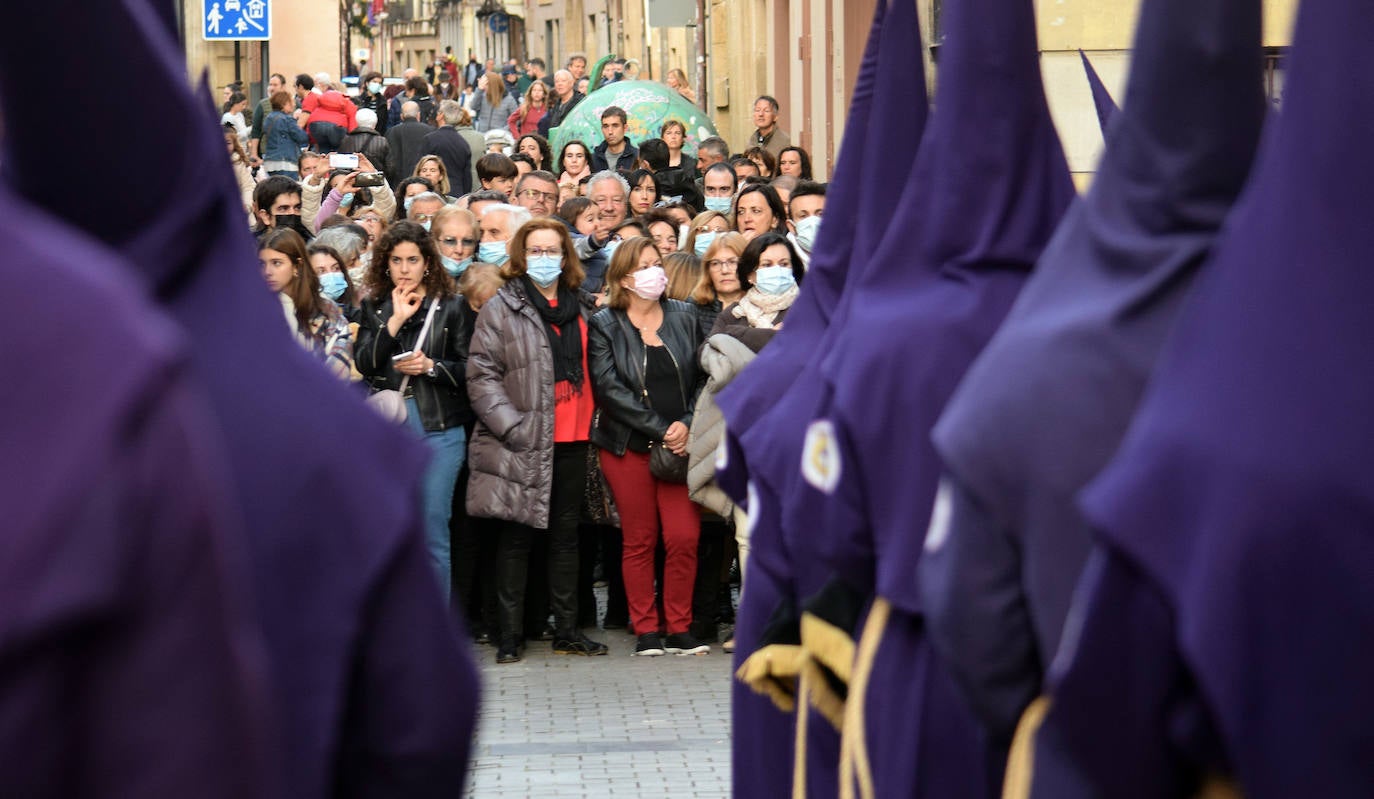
[{"x": 529, "y": 386}]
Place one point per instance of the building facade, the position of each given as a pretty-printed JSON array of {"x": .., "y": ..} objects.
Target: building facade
[{"x": 805, "y": 53}]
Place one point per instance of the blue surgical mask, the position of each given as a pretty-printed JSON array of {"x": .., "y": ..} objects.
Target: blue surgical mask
[
  {"x": 610, "y": 249},
  {"x": 492, "y": 252},
  {"x": 425, "y": 224},
  {"x": 333, "y": 285},
  {"x": 703, "y": 242},
  {"x": 409, "y": 202},
  {"x": 455, "y": 268},
  {"x": 347, "y": 199},
  {"x": 774, "y": 279},
  {"x": 806, "y": 232},
  {"x": 718, "y": 204},
  {"x": 374, "y": 87},
  {"x": 545, "y": 269}
]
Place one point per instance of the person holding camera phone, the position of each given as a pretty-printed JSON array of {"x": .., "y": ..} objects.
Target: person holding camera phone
[
  {"x": 363, "y": 189},
  {"x": 404, "y": 281}
]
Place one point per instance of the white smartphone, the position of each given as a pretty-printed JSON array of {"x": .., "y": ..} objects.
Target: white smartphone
[
  {"x": 343, "y": 160},
  {"x": 403, "y": 356}
]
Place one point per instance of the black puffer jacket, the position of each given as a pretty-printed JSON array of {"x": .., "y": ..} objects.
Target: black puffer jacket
[
  {"x": 443, "y": 399},
  {"x": 616, "y": 356}
]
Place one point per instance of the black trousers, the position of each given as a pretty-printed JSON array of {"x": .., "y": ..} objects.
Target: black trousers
[
  {"x": 474, "y": 541},
  {"x": 710, "y": 555},
  {"x": 513, "y": 551}
]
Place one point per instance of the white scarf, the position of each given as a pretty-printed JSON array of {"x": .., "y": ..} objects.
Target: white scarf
[{"x": 760, "y": 309}]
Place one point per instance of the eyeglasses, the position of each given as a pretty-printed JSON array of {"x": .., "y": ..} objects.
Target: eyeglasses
[
  {"x": 723, "y": 264},
  {"x": 365, "y": 219},
  {"x": 422, "y": 217},
  {"x": 537, "y": 252},
  {"x": 451, "y": 242},
  {"x": 535, "y": 194}
]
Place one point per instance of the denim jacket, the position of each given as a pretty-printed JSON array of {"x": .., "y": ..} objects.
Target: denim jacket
[{"x": 283, "y": 137}]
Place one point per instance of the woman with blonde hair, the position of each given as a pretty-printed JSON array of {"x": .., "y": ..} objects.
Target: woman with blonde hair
[
  {"x": 684, "y": 275},
  {"x": 704, "y": 229},
  {"x": 533, "y": 106},
  {"x": 720, "y": 285},
  {"x": 432, "y": 168},
  {"x": 531, "y": 388},
  {"x": 677, "y": 81}
]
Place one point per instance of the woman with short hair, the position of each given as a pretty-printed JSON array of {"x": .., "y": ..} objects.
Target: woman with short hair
[
  {"x": 674, "y": 134},
  {"x": 704, "y": 228},
  {"x": 759, "y": 210},
  {"x": 531, "y": 390},
  {"x": 643, "y": 358},
  {"x": 643, "y": 191},
  {"x": 794, "y": 161},
  {"x": 770, "y": 269}
]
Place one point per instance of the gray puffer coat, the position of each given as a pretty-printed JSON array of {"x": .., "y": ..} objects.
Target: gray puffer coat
[{"x": 510, "y": 386}]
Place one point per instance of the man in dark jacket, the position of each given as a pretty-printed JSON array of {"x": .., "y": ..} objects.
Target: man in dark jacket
[
  {"x": 407, "y": 143},
  {"x": 366, "y": 140},
  {"x": 615, "y": 152},
  {"x": 447, "y": 143},
  {"x": 566, "y": 98}
]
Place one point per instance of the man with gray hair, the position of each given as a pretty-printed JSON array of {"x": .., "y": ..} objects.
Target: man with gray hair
[
  {"x": 610, "y": 193},
  {"x": 454, "y": 150},
  {"x": 565, "y": 98},
  {"x": 498, "y": 225},
  {"x": 422, "y": 207},
  {"x": 407, "y": 142}
]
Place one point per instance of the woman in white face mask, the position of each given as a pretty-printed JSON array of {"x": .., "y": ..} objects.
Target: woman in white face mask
[
  {"x": 529, "y": 382},
  {"x": 642, "y": 351},
  {"x": 771, "y": 270}
]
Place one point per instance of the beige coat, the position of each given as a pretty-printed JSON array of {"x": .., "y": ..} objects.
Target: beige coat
[{"x": 722, "y": 357}]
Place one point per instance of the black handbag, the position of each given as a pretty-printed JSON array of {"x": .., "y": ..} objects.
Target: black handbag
[{"x": 666, "y": 465}]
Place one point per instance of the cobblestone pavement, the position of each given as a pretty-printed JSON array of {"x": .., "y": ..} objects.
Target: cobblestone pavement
[{"x": 555, "y": 726}]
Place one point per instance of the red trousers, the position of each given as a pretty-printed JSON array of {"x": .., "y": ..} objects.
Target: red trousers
[{"x": 647, "y": 505}]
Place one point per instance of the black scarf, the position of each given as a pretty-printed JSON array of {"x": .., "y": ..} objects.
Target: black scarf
[{"x": 565, "y": 337}]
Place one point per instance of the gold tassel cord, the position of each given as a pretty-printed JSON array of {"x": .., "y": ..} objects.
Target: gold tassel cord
[{"x": 854, "y": 742}]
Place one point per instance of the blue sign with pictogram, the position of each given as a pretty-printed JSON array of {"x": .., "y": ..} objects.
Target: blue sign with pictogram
[
  {"x": 236, "y": 20},
  {"x": 499, "y": 22}
]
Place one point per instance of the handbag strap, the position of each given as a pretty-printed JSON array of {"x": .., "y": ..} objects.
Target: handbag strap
[{"x": 420, "y": 341}]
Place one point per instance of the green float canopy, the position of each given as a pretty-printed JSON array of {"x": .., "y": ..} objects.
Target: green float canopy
[{"x": 647, "y": 106}]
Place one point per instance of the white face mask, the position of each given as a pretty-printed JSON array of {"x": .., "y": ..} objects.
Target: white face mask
[
  {"x": 806, "y": 232},
  {"x": 650, "y": 283}
]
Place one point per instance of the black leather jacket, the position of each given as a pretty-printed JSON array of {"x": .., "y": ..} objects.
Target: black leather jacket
[
  {"x": 616, "y": 356},
  {"x": 443, "y": 399}
]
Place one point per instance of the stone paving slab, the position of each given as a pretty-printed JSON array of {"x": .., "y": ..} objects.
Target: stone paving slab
[{"x": 557, "y": 726}]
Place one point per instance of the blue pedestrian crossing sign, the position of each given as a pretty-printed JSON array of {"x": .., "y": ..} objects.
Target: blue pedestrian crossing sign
[{"x": 236, "y": 20}]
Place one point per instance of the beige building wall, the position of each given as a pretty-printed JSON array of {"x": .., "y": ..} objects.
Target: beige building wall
[
  {"x": 305, "y": 38},
  {"x": 1105, "y": 30},
  {"x": 807, "y": 52}
]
